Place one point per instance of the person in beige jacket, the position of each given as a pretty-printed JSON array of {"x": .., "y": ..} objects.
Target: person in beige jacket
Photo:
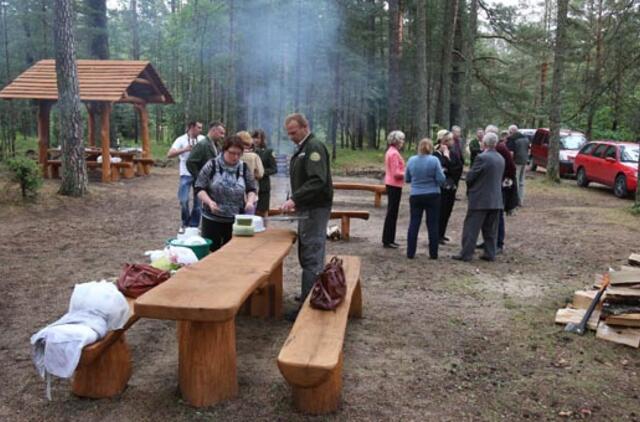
[{"x": 249, "y": 157}]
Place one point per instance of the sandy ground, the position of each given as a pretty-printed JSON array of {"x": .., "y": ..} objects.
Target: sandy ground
[{"x": 440, "y": 340}]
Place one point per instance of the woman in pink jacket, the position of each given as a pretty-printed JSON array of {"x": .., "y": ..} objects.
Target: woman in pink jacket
[{"x": 394, "y": 180}]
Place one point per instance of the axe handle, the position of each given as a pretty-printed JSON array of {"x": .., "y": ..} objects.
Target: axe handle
[{"x": 594, "y": 302}]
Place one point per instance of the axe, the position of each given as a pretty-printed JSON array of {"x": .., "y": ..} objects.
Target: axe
[{"x": 582, "y": 327}]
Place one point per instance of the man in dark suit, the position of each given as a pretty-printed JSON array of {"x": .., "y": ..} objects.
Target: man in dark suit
[{"x": 484, "y": 189}]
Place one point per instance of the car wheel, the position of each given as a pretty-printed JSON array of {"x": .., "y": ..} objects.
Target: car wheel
[
  {"x": 620, "y": 187},
  {"x": 581, "y": 178}
]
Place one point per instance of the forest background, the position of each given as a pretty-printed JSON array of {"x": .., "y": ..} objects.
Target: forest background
[{"x": 356, "y": 68}]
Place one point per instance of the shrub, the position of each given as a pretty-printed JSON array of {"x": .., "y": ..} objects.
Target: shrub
[{"x": 27, "y": 173}]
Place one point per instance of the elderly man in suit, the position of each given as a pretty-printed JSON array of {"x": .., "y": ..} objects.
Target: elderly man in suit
[{"x": 484, "y": 189}]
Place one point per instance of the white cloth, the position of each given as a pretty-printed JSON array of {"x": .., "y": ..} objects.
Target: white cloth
[
  {"x": 182, "y": 142},
  {"x": 94, "y": 309}
]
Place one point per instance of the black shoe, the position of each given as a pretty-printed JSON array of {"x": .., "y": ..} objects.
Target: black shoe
[
  {"x": 390, "y": 245},
  {"x": 487, "y": 258},
  {"x": 292, "y": 315},
  {"x": 460, "y": 258},
  {"x": 394, "y": 244},
  {"x": 499, "y": 251},
  {"x": 433, "y": 257},
  {"x": 480, "y": 245},
  {"x": 446, "y": 239}
]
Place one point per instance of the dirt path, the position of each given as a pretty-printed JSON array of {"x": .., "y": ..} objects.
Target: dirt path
[{"x": 440, "y": 340}]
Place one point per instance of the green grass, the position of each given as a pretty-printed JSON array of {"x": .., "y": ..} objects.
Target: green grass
[{"x": 348, "y": 159}]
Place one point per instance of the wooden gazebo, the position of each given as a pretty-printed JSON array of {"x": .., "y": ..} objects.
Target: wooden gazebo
[{"x": 102, "y": 83}]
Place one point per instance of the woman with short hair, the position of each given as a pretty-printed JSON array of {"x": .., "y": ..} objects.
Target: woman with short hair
[
  {"x": 425, "y": 174},
  {"x": 452, "y": 167},
  {"x": 394, "y": 180},
  {"x": 268, "y": 158},
  {"x": 226, "y": 188}
]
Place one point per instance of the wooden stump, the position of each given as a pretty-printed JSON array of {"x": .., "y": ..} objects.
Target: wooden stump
[
  {"x": 322, "y": 398},
  {"x": 207, "y": 361},
  {"x": 106, "y": 375}
]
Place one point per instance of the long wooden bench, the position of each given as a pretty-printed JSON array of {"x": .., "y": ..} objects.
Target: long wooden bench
[
  {"x": 205, "y": 298},
  {"x": 344, "y": 216},
  {"x": 105, "y": 366},
  {"x": 143, "y": 166},
  {"x": 379, "y": 190},
  {"x": 127, "y": 169},
  {"x": 311, "y": 358}
]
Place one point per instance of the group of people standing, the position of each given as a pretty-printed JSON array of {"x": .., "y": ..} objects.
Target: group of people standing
[
  {"x": 495, "y": 185},
  {"x": 228, "y": 175}
]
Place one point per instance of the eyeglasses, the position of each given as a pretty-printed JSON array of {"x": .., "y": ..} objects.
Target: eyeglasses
[{"x": 234, "y": 153}]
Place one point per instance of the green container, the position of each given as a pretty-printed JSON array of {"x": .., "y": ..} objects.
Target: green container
[{"x": 200, "y": 250}]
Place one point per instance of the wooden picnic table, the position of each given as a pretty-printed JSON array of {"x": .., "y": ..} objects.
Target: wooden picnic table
[
  {"x": 92, "y": 153},
  {"x": 205, "y": 297}
]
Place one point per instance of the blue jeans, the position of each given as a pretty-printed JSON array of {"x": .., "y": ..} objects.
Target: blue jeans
[
  {"x": 429, "y": 203},
  {"x": 189, "y": 219}
]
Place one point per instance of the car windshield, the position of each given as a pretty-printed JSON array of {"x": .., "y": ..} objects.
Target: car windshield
[
  {"x": 629, "y": 154},
  {"x": 572, "y": 141}
]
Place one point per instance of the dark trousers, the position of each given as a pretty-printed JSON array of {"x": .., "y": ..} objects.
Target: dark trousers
[
  {"x": 429, "y": 203},
  {"x": 390, "y": 221},
  {"x": 476, "y": 220},
  {"x": 218, "y": 233},
  {"x": 501, "y": 230},
  {"x": 447, "y": 199}
]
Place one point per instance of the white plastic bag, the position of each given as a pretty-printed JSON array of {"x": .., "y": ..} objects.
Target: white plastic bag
[{"x": 182, "y": 256}]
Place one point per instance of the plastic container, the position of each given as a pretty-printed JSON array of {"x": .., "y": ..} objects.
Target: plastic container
[{"x": 200, "y": 250}]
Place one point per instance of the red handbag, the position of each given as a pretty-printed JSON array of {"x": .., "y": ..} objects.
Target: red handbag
[
  {"x": 136, "y": 279},
  {"x": 330, "y": 288}
]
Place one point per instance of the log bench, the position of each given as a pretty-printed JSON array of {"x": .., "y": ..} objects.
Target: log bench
[
  {"x": 205, "y": 297},
  {"x": 311, "y": 358},
  {"x": 127, "y": 169},
  {"x": 379, "y": 190},
  {"x": 344, "y": 216},
  {"x": 105, "y": 366},
  {"x": 143, "y": 166}
]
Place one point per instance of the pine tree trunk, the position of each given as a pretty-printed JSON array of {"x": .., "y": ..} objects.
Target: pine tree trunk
[
  {"x": 555, "y": 116},
  {"x": 422, "y": 111},
  {"x": 458, "y": 59},
  {"x": 372, "y": 104},
  {"x": 97, "y": 21},
  {"x": 395, "y": 55},
  {"x": 444, "y": 87},
  {"x": 74, "y": 172}
]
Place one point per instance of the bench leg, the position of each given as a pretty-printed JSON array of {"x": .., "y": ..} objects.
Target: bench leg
[
  {"x": 355, "y": 309},
  {"x": 139, "y": 169},
  {"x": 323, "y": 398},
  {"x": 129, "y": 172},
  {"x": 378, "y": 201},
  {"x": 147, "y": 169},
  {"x": 115, "y": 174},
  {"x": 207, "y": 361},
  {"x": 346, "y": 227},
  {"x": 55, "y": 172},
  {"x": 107, "y": 375},
  {"x": 275, "y": 281},
  {"x": 259, "y": 302}
]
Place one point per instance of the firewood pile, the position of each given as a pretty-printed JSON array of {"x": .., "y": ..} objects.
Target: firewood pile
[{"x": 616, "y": 317}]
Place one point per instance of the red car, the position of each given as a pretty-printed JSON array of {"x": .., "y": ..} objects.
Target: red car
[
  {"x": 614, "y": 164},
  {"x": 570, "y": 143}
]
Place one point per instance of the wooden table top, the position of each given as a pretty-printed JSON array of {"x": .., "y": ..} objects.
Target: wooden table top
[{"x": 214, "y": 288}]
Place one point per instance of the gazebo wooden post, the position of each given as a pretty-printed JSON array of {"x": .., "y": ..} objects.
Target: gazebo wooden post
[
  {"x": 91, "y": 126},
  {"x": 44, "y": 112},
  {"x": 144, "y": 128},
  {"x": 106, "y": 143}
]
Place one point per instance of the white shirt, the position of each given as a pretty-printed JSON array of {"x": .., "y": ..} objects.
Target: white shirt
[{"x": 182, "y": 142}]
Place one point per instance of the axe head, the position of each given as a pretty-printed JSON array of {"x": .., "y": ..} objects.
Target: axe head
[{"x": 575, "y": 328}]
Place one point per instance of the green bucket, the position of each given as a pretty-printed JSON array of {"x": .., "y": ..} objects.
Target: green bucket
[{"x": 200, "y": 250}]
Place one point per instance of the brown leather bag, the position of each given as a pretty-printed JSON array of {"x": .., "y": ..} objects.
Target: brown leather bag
[
  {"x": 330, "y": 288},
  {"x": 136, "y": 279}
]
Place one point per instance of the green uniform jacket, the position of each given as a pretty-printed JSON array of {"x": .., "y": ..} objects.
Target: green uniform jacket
[
  {"x": 270, "y": 167},
  {"x": 200, "y": 154},
  {"x": 310, "y": 174}
]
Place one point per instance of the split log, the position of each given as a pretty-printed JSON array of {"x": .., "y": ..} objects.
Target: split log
[
  {"x": 626, "y": 336},
  {"x": 566, "y": 315}
]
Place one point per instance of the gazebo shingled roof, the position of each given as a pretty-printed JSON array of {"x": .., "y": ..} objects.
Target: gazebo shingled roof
[{"x": 101, "y": 81}]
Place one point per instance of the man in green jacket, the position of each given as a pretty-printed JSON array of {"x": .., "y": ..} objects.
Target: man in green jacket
[
  {"x": 311, "y": 197},
  {"x": 205, "y": 149}
]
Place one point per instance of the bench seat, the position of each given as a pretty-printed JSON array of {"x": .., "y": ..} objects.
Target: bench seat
[
  {"x": 127, "y": 168},
  {"x": 105, "y": 366},
  {"x": 344, "y": 216},
  {"x": 311, "y": 357},
  {"x": 379, "y": 190}
]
